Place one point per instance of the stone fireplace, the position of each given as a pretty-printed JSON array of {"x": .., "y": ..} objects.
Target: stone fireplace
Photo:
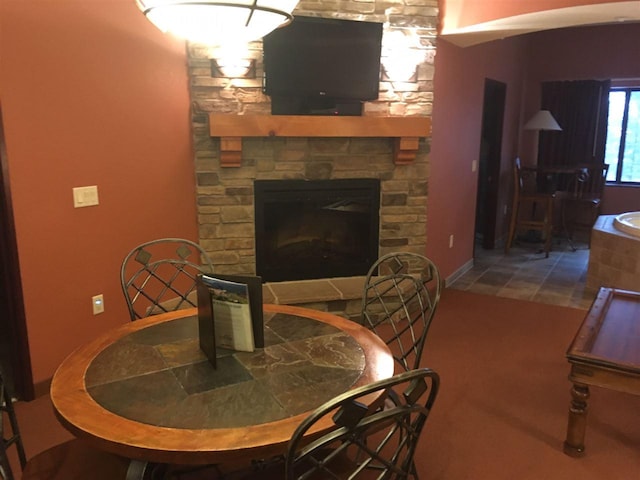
[{"x": 226, "y": 195}]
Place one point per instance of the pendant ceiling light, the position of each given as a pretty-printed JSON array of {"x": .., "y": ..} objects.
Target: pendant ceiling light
[{"x": 218, "y": 22}]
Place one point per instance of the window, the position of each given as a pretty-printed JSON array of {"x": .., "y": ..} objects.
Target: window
[{"x": 622, "y": 151}]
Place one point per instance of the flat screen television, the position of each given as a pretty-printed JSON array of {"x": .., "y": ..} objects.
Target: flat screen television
[{"x": 322, "y": 66}]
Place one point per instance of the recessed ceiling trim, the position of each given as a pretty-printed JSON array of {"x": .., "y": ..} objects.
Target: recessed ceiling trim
[{"x": 615, "y": 12}]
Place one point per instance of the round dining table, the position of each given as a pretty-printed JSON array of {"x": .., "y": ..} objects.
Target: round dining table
[{"x": 146, "y": 391}]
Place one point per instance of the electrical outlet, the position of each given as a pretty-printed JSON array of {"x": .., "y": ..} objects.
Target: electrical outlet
[{"x": 97, "y": 301}]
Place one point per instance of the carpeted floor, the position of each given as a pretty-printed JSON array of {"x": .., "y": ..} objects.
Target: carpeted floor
[{"x": 502, "y": 408}]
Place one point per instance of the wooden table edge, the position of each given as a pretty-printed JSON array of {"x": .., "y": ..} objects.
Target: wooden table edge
[
  {"x": 579, "y": 351},
  {"x": 71, "y": 399}
]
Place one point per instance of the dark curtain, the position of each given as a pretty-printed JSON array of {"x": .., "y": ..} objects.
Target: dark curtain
[{"x": 581, "y": 108}]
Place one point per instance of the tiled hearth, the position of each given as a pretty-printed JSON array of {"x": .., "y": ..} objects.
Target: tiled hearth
[{"x": 341, "y": 296}]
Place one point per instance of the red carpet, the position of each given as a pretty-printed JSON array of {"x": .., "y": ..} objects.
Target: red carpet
[{"x": 502, "y": 408}]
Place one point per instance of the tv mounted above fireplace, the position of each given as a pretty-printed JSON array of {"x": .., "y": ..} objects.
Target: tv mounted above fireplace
[
  {"x": 322, "y": 66},
  {"x": 309, "y": 229}
]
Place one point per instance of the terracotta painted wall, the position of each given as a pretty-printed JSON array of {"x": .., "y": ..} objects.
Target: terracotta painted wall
[
  {"x": 92, "y": 94},
  {"x": 457, "y": 117},
  {"x": 463, "y": 13}
]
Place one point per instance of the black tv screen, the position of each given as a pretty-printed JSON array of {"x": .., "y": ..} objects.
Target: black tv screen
[{"x": 321, "y": 58}]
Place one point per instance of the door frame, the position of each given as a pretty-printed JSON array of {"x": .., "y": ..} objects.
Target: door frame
[
  {"x": 490, "y": 159},
  {"x": 12, "y": 310}
]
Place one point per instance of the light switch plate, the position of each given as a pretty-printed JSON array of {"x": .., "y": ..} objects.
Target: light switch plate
[{"x": 85, "y": 196}]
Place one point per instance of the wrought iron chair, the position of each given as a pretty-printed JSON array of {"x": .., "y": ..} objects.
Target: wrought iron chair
[
  {"x": 160, "y": 276},
  {"x": 9, "y": 439},
  {"x": 401, "y": 293},
  {"x": 345, "y": 438},
  {"x": 71, "y": 460}
]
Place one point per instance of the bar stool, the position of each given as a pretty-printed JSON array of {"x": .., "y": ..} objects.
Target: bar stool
[{"x": 531, "y": 209}]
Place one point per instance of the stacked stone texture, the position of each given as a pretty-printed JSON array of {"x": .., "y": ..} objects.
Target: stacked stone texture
[{"x": 225, "y": 195}]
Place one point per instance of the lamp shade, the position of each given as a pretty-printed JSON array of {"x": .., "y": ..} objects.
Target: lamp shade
[
  {"x": 217, "y": 22},
  {"x": 543, "y": 120}
]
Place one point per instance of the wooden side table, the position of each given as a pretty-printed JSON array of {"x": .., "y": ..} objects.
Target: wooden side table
[{"x": 605, "y": 353}]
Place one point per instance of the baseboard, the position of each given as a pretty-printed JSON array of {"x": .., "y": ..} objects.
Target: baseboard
[
  {"x": 42, "y": 388},
  {"x": 459, "y": 272}
]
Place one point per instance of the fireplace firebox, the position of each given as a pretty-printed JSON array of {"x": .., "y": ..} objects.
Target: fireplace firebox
[{"x": 308, "y": 229}]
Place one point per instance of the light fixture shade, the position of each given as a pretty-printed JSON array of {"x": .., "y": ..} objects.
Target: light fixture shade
[
  {"x": 543, "y": 120},
  {"x": 401, "y": 54},
  {"x": 217, "y": 22}
]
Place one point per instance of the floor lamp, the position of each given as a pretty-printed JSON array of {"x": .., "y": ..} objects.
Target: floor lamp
[{"x": 542, "y": 120}]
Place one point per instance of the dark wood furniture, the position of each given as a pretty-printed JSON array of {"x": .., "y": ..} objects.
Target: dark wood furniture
[
  {"x": 565, "y": 198},
  {"x": 146, "y": 391},
  {"x": 532, "y": 208},
  {"x": 581, "y": 204},
  {"x": 605, "y": 353}
]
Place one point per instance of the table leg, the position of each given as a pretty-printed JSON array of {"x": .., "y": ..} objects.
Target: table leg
[
  {"x": 574, "y": 444},
  {"x": 565, "y": 229}
]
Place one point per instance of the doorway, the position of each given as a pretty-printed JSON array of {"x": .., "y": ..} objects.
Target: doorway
[
  {"x": 14, "y": 350},
  {"x": 489, "y": 163}
]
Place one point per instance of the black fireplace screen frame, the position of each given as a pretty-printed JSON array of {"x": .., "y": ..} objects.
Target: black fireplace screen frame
[{"x": 308, "y": 229}]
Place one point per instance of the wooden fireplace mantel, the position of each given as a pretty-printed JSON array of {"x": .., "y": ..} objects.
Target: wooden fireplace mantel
[{"x": 231, "y": 129}]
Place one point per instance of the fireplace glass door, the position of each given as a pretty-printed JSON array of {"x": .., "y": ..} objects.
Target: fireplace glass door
[{"x": 309, "y": 229}]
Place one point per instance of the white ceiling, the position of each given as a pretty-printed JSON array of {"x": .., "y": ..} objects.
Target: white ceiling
[{"x": 533, "y": 22}]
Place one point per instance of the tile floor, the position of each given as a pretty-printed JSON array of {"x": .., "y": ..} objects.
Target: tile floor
[{"x": 527, "y": 275}]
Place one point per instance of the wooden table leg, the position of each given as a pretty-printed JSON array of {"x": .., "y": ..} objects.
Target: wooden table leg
[{"x": 574, "y": 444}]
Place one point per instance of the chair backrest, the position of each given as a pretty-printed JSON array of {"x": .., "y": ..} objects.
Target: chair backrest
[
  {"x": 160, "y": 276},
  {"x": 589, "y": 180},
  {"x": 373, "y": 429},
  {"x": 8, "y": 439},
  {"x": 401, "y": 293},
  {"x": 526, "y": 180}
]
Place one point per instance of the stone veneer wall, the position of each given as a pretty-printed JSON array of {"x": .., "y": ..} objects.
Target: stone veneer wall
[{"x": 225, "y": 195}]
